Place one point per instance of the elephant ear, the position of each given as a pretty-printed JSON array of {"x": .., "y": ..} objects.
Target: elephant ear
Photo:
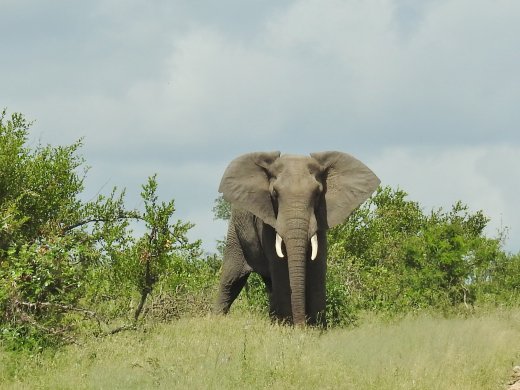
[
  {"x": 245, "y": 184},
  {"x": 348, "y": 183}
]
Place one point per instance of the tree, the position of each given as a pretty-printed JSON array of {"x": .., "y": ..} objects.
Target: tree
[
  {"x": 40, "y": 256},
  {"x": 391, "y": 256},
  {"x": 60, "y": 256},
  {"x": 222, "y": 209}
]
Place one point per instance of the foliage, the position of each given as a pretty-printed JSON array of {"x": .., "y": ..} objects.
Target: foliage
[
  {"x": 392, "y": 257},
  {"x": 499, "y": 282},
  {"x": 62, "y": 259},
  {"x": 131, "y": 265},
  {"x": 40, "y": 257},
  {"x": 222, "y": 209}
]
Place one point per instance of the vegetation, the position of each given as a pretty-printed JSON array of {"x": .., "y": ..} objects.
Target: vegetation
[
  {"x": 73, "y": 275},
  {"x": 238, "y": 351},
  {"x": 63, "y": 260},
  {"x": 390, "y": 257}
]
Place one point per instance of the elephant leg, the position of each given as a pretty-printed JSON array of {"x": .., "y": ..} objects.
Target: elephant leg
[
  {"x": 230, "y": 287},
  {"x": 235, "y": 272}
]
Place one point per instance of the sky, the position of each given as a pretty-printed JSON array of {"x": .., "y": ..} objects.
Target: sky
[{"x": 426, "y": 93}]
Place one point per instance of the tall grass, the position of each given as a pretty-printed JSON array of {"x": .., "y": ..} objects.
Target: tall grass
[{"x": 240, "y": 351}]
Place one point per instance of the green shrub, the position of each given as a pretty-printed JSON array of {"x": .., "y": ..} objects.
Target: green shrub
[
  {"x": 400, "y": 259},
  {"x": 62, "y": 259}
]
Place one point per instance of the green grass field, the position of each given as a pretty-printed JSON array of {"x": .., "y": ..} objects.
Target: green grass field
[{"x": 248, "y": 352}]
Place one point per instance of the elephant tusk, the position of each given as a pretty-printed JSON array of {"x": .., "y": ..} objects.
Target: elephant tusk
[
  {"x": 314, "y": 246},
  {"x": 279, "y": 246}
]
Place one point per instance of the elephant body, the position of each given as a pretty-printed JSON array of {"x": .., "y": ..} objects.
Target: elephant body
[
  {"x": 250, "y": 247},
  {"x": 282, "y": 206}
]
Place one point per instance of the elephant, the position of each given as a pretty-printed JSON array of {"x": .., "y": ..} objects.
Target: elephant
[{"x": 281, "y": 208}]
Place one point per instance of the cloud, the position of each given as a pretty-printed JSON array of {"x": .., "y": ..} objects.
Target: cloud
[
  {"x": 391, "y": 72},
  {"x": 427, "y": 90},
  {"x": 218, "y": 89},
  {"x": 360, "y": 73},
  {"x": 455, "y": 73}
]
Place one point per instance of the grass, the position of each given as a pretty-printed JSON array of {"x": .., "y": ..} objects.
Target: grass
[{"x": 241, "y": 351}]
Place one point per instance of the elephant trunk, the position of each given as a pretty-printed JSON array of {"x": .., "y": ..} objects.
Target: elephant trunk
[{"x": 296, "y": 244}]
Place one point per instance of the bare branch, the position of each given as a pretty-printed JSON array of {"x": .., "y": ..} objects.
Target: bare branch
[
  {"x": 26, "y": 318},
  {"x": 38, "y": 305},
  {"x": 125, "y": 215}
]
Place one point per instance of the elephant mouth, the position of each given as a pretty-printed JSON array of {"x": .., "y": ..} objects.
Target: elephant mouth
[{"x": 314, "y": 246}]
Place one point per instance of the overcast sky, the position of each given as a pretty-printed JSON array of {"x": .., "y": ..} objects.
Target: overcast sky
[{"x": 426, "y": 93}]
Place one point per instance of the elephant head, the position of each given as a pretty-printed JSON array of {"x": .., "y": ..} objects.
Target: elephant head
[{"x": 299, "y": 196}]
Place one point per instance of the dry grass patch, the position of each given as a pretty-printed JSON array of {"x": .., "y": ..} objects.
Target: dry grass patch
[{"x": 238, "y": 352}]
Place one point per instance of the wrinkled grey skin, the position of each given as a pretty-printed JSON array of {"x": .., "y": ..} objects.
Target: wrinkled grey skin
[{"x": 296, "y": 197}]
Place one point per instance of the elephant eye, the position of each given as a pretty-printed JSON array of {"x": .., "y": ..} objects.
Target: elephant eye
[{"x": 274, "y": 193}]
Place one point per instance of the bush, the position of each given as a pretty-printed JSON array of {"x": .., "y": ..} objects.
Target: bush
[
  {"x": 41, "y": 258},
  {"x": 62, "y": 259},
  {"x": 399, "y": 259},
  {"x": 499, "y": 283}
]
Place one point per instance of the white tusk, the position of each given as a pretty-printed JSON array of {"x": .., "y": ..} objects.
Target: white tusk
[
  {"x": 279, "y": 246},
  {"x": 314, "y": 245}
]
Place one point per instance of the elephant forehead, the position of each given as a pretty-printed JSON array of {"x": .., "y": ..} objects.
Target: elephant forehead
[
  {"x": 294, "y": 157},
  {"x": 293, "y": 163}
]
